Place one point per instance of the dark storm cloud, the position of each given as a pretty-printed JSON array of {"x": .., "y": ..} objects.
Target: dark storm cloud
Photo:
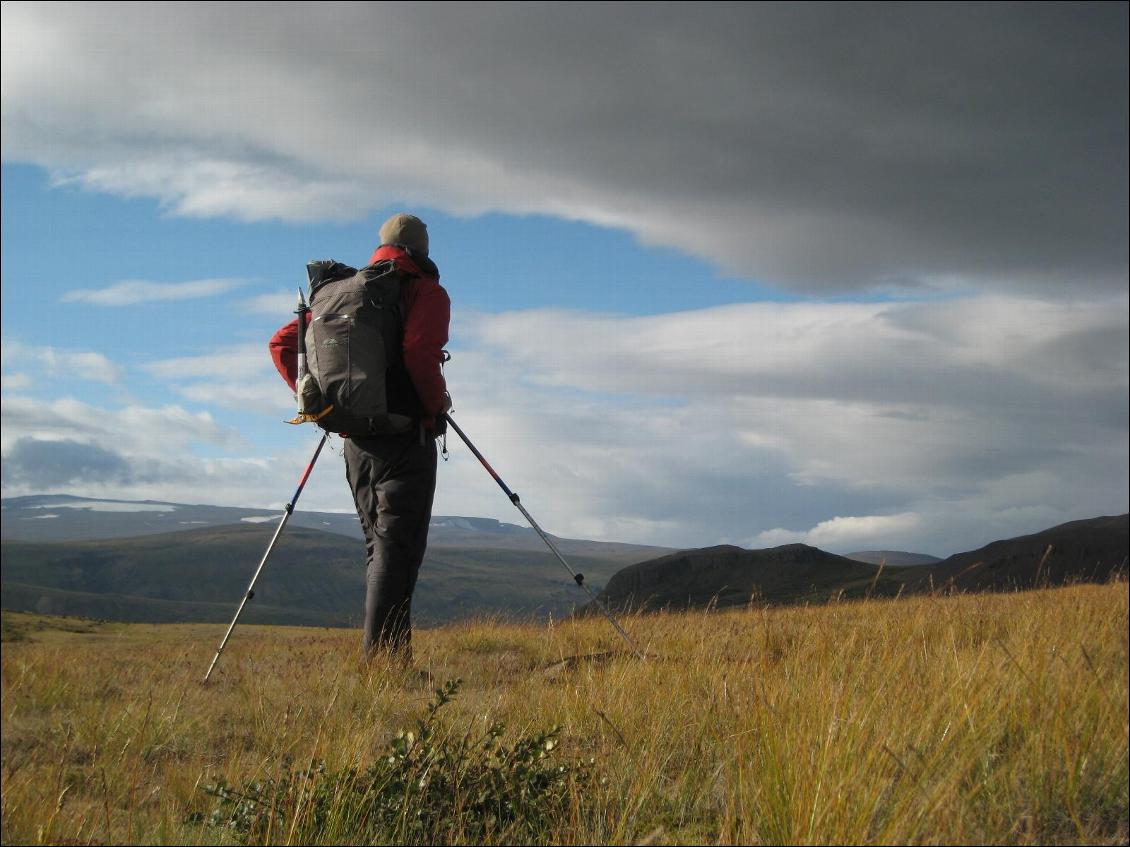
[
  {"x": 826, "y": 147},
  {"x": 961, "y": 140}
]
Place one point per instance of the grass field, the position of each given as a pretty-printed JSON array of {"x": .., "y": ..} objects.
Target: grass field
[{"x": 976, "y": 719}]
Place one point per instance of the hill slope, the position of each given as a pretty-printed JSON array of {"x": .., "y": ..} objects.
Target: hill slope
[
  {"x": 897, "y": 558},
  {"x": 312, "y": 578},
  {"x": 1080, "y": 551},
  {"x": 732, "y": 576}
]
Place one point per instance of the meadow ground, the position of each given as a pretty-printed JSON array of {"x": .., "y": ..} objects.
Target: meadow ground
[{"x": 976, "y": 719}]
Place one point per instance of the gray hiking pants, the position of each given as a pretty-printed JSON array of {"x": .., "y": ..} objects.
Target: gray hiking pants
[{"x": 393, "y": 479}]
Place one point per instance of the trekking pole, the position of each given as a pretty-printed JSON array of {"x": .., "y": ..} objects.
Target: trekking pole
[
  {"x": 578, "y": 578},
  {"x": 251, "y": 588}
]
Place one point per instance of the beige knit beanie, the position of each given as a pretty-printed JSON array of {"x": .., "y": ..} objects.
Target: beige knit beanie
[{"x": 407, "y": 230}]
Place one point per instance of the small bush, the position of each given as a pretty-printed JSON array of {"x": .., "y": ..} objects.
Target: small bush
[{"x": 430, "y": 788}]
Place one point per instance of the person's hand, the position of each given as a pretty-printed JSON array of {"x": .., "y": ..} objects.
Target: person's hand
[{"x": 439, "y": 422}]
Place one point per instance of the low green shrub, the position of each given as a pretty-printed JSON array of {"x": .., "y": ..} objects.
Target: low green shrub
[{"x": 431, "y": 787}]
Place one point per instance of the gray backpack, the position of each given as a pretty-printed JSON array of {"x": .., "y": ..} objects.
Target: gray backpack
[{"x": 356, "y": 381}]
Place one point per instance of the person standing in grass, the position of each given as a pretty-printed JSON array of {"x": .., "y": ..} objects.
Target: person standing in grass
[{"x": 393, "y": 477}]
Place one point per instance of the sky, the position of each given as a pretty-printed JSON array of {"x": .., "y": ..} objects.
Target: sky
[{"x": 848, "y": 275}]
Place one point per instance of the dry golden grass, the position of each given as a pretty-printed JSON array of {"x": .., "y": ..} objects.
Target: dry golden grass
[{"x": 972, "y": 719}]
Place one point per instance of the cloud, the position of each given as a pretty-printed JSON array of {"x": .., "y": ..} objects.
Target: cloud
[
  {"x": 194, "y": 185},
  {"x": 36, "y": 465},
  {"x": 240, "y": 377},
  {"x": 142, "y": 452},
  {"x": 134, "y": 292},
  {"x": 841, "y": 532},
  {"x": 268, "y": 395},
  {"x": 934, "y": 426},
  {"x": 827, "y": 149},
  {"x": 994, "y": 354},
  {"x": 45, "y": 465},
  {"x": 152, "y": 431},
  {"x": 80, "y": 364},
  {"x": 241, "y": 360},
  {"x": 278, "y": 304}
]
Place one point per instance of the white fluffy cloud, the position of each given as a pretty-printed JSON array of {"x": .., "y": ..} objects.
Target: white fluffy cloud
[
  {"x": 273, "y": 304},
  {"x": 826, "y": 148},
  {"x": 134, "y": 292},
  {"x": 840, "y": 533},
  {"x": 989, "y": 353},
  {"x": 935, "y": 426},
  {"x": 153, "y": 431},
  {"x": 239, "y": 377},
  {"x": 160, "y": 453},
  {"x": 53, "y": 361}
]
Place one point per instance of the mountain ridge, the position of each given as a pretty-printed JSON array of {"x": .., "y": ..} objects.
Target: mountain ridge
[
  {"x": 898, "y": 558},
  {"x": 473, "y": 566},
  {"x": 1089, "y": 550},
  {"x": 90, "y": 519}
]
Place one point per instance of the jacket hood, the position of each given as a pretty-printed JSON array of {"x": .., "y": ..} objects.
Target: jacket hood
[{"x": 406, "y": 260}]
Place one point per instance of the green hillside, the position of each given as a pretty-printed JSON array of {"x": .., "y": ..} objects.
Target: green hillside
[
  {"x": 315, "y": 578},
  {"x": 731, "y": 576},
  {"x": 1093, "y": 550},
  {"x": 312, "y": 578}
]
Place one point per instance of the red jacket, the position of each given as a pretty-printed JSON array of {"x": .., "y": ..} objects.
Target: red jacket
[{"x": 427, "y": 313}]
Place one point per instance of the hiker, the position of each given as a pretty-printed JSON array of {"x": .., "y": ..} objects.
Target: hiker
[{"x": 393, "y": 476}]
